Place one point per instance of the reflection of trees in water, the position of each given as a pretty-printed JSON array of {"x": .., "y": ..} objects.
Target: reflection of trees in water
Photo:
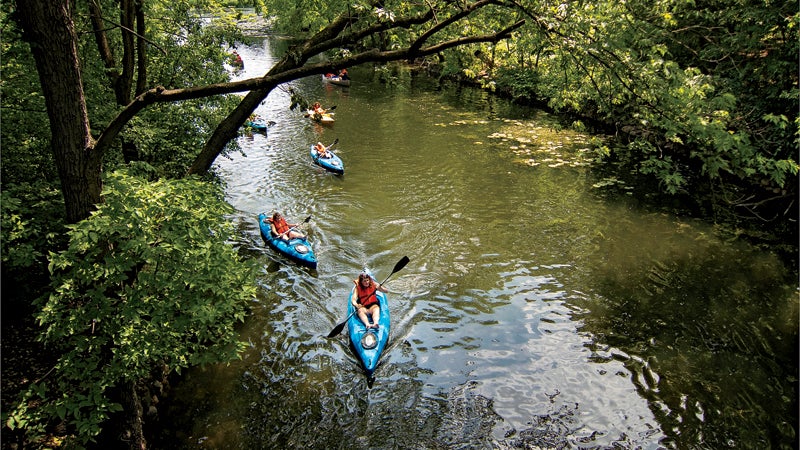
[{"x": 708, "y": 331}]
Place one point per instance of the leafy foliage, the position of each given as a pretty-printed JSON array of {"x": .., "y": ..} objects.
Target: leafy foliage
[
  {"x": 24, "y": 139},
  {"x": 149, "y": 279},
  {"x": 705, "y": 94},
  {"x": 31, "y": 215}
]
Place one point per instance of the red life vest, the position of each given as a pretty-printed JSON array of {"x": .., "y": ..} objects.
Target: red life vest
[
  {"x": 280, "y": 226},
  {"x": 366, "y": 296}
]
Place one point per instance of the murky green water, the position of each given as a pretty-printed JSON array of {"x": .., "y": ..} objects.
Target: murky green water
[{"x": 535, "y": 313}]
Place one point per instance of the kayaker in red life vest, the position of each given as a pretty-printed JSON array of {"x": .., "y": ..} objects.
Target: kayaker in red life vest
[
  {"x": 281, "y": 228},
  {"x": 322, "y": 151},
  {"x": 237, "y": 59},
  {"x": 343, "y": 74},
  {"x": 364, "y": 299}
]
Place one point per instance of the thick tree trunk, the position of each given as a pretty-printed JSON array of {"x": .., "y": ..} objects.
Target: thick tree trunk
[
  {"x": 227, "y": 131},
  {"x": 49, "y": 28},
  {"x": 134, "y": 427}
]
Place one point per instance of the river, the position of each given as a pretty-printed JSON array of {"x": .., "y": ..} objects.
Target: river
[{"x": 536, "y": 312}]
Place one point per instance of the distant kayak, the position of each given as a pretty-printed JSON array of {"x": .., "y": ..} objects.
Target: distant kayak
[
  {"x": 369, "y": 344},
  {"x": 332, "y": 164},
  {"x": 259, "y": 125},
  {"x": 324, "y": 118},
  {"x": 298, "y": 250},
  {"x": 336, "y": 80}
]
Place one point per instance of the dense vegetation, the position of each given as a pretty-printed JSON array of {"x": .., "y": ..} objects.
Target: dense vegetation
[{"x": 703, "y": 96}]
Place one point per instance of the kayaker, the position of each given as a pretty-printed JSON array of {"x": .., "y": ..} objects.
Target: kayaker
[
  {"x": 365, "y": 301},
  {"x": 322, "y": 151},
  {"x": 283, "y": 229},
  {"x": 343, "y": 74},
  {"x": 237, "y": 59},
  {"x": 317, "y": 108}
]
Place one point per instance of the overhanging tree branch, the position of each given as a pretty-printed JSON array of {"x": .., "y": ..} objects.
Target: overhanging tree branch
[
  {"x": 227, "y": 128},
  {"x": 282, "y": 74}
]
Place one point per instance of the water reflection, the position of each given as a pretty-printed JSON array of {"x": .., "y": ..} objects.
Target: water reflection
[
  {"x": 714, "y": 326},
  {"x": 534, "y": 311}
]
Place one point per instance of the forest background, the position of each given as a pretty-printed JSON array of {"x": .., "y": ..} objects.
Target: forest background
[{"x": 114, "y": 111}]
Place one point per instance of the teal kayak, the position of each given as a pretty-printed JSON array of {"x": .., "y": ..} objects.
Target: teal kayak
[
  {"x": 332, "y": 164},
  {"x": 259, "y": 125},
  {"x": 369, "y": 344},
  {"x": 298, "y": 250}
]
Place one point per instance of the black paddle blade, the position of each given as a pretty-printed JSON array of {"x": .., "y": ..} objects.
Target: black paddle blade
[
  {"x": 337, "y": 329},
  {"x": 308, "y": 219},
  {"x": 397, "y": 267},
  {"x": 331, "y": 108},
  {"x": 400, "y": 264}
]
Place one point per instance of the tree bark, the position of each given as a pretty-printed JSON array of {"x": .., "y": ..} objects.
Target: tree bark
[
  {"x": 49, "y": 28},
  {"x": 141, "y": 49},
  {"x": 227, "y": 131},
  {"x": 133, "y": 427},
  {"x": 125, "y": 81}
]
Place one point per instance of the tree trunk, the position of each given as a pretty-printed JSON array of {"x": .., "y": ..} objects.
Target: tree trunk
[
  {"x": 49, "y": 28},
  {"x": 125, "y": 81},
  {"x": 227, "y": 131},
  {"x": 132, "y": 433},
  {"x": 141, "y": 50}
]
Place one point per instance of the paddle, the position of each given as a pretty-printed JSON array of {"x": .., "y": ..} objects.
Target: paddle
[
  {"x": 335, "y": 141},
  {"x": 308, "y": 219},
  {"x": 397, "y": 267}
]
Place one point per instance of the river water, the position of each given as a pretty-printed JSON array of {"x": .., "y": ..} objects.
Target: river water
[{"x": 536, "y": 312}]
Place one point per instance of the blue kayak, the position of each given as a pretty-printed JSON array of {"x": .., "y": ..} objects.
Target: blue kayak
[
  {"x": 259, "y": 125},
  {"x": 298, "y": 250},
  {"x": 361, "y": 339},
  {"x": 331, "y": 164}
]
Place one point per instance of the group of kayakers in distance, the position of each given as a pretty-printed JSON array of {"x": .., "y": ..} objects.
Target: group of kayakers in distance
[{"x": 363, "y": 296}]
